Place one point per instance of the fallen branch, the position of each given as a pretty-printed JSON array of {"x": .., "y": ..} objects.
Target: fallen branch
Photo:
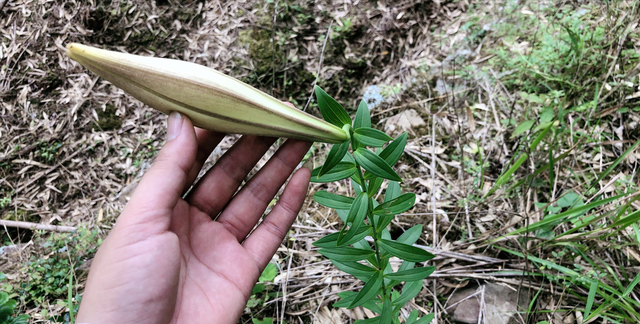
[{"x": 35, "y": 226}]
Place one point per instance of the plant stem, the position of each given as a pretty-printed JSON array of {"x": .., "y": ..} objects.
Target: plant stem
[{"x": 376, "y": 236}]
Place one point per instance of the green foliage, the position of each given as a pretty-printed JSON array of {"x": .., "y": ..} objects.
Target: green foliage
[
  {"x": 261, "y": 293},
  {"x": 49, "y": 276},
  {"x": 8, "y": 306},
  {"x": 349, "y": 250}
]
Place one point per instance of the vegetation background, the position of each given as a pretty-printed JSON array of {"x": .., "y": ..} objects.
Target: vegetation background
[{"x": 523, "y": 121}]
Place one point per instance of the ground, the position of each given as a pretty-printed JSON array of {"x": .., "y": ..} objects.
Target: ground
[{"x": 522, "y": 119}]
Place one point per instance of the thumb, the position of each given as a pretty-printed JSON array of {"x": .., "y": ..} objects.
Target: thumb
[{"x": 161, "y": 187}]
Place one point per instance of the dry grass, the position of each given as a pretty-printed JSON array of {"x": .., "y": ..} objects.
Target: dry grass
[{"x": 72, "y": 147}]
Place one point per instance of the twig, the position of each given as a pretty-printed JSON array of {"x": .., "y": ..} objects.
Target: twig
[
  {"x": 319, "y": 66},
  {"x": 49, "y": 170},
  {"x": 35, "y": 226}
]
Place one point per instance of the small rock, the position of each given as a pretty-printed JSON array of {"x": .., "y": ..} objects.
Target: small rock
[
  {"x": 499, "y": 304},
  {"x": 404, "y": 121}
]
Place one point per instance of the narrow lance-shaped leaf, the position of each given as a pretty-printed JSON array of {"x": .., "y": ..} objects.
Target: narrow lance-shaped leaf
[
  {"x": 387, "y": 312},
  {"x": 375, "y": 164},
  {"x": 330, "y": 200},
  {"x": 393, "y": 191},
  {"x": 331, "y": 110},
  {"x": 425, "y": 319},
  {"x": 411, "y": 274},
  {"x": 355, "y": 269},
  {"x": 409, "y": 291},
  {"x": 345, "y": 253},
  {"x": 404, "y": 251},
  {"x": 392, "y": 152},
  {"x": 357, "y": 213},
  {"x": 331, "y": 240},
  {"x": 374, "y": 186},
  {"x": 341, "y": 171},
  {"x": 396, "y": 206},
  {"x": 369, "y": 290},
  {"x": 336, "y": 154},
  {"x": 371, "y": 136},
  {"x": 411, "y": 235},
  {"x": 363, "y": 117}
]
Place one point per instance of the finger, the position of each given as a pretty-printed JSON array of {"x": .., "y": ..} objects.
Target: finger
[
  {"x": 264, "y": 241},
  {"x": 161, "y": 187},
  {"x": 207, "y": 142},
  {"x": 215, "y": 189},
  {"x": 246, "y": 208}
]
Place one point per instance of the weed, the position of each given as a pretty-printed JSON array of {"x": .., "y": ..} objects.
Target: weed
[{"x": 48, "y": 277}]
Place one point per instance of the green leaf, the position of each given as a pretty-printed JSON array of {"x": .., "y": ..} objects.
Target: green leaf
[
  {"x": 337, "y": 152},
  {"x": 412, "y": 317},
  {"x": 369, "y": 290},
  {"x": 375, "y": 164},
  {"x": 411, "y": 274},
  {"x": 387, "y": 312},
  {"x": 425, "y": 319},
  {"x": 355, "y": 269},
  {"x": 392, "y": 152},
  {"x": 363, "y": 117},
  {"x": 341, "y": 171},
  {"x": 396, "y": 206},
  {"x": 411, "y": 235},
  {"x": 346, "y": 297},
  {"x": 383, "y": 221},
  {"x": 523, "y": 127},
  {"x": 393, "y": 191},
  {"x": 331, "y": 110},
  {"x": 330, "y": 200},
  {"x": 269, "y": 273},
  {"x": 258, "y": 288},
  {"x": 410, "y": 290},
  {"x": 266, "y": 320},
  {"x": 357, "y": 213},
  {"x": 405, "y": 252},
  {"x": 374, "y": 186},
  {"x": 345, "y": 253},
  {"x": 371, "y": 137},
  {"x": 374, "y": 320},
  {"x": 590, "y": 298},
  {"x": 331, "y": 240}
]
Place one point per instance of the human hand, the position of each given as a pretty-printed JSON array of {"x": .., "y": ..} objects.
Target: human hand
[{"x": 166, "y": 260}]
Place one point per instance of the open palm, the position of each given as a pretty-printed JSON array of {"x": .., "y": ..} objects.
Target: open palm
[{"x": 166, "y": 260}]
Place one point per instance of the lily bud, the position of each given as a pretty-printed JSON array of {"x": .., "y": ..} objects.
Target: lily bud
[{"x": 211, "y": 100}]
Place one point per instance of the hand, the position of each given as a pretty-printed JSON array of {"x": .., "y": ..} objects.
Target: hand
[{"x": 166, "y": 260}]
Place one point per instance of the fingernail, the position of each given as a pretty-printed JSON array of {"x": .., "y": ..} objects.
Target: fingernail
[{"x": 174, "y": 125}]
